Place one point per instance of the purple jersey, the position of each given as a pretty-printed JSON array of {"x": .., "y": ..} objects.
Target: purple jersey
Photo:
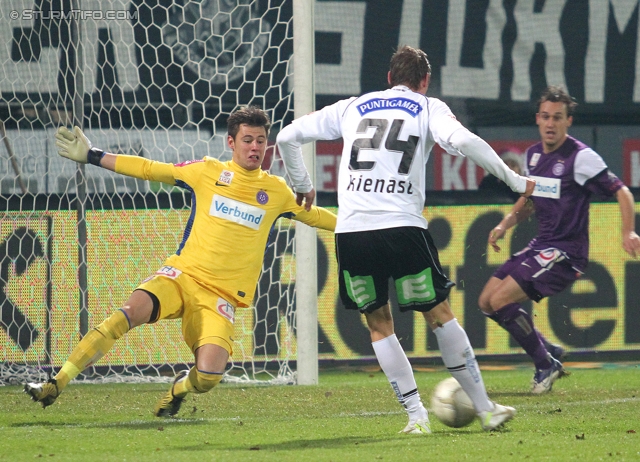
[{"x": 565, "y": 180}]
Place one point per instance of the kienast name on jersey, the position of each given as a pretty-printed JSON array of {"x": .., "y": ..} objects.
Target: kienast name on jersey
[
  {"x": 379, "y": 185},
  {"x": 238, "y": 212},
  {"x": 546, "y": 187},
  {"x": 378, "y": 104}
]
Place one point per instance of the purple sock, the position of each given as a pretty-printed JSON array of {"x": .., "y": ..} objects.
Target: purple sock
[
  {"x": 547, "y": 344},
  {"x": 520, "y": 325}
]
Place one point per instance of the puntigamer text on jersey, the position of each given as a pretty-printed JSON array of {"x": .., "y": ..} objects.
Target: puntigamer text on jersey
[{"x": 377, "y": 104}]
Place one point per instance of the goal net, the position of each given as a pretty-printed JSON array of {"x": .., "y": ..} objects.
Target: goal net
[{"x": 156, "y": 79}]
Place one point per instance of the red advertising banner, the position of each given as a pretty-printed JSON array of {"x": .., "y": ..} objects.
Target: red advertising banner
[
  {"x": 327, "y": 164},
  {"x": 328, "y": 154},
  {"x": 453, "y": 173},
  {"x": 631, "y": 162}
]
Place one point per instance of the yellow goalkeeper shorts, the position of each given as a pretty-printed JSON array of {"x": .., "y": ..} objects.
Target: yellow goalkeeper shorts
[{"x": 207, "y": 318}]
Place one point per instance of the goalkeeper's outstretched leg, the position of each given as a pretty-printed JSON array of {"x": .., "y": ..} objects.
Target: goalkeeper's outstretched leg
[
  {"x": 199, "y": 379},
  {"x": 138, "y": 310},
  {"x": 207, "y": 278}
]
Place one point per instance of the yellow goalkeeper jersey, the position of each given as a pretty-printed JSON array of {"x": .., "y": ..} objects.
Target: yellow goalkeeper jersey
[{"x": 232, "y": 213}]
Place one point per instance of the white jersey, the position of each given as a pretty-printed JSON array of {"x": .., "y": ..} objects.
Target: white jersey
[{"x": 387, "y": 136}]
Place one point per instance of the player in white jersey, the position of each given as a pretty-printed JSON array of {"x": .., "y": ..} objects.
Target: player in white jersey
[{"x": 381, "y": 232}]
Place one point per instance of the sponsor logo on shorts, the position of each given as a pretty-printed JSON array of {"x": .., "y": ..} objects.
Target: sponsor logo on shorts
[
  {"x": 547, "y": 256},
  {"x": 416, "y": 288},
  {"x": 360, "y": 289},
  {"x": 236, "y": 211},
  {"x": 225, "y": 178},
  {"x": 169, "y": 272},
  {"x": 546, "y": 187},
  {"x": 226, "y": 309}
]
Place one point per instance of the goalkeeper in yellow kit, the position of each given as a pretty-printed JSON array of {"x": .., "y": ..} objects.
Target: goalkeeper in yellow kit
[{"x": 217, "y": 265}]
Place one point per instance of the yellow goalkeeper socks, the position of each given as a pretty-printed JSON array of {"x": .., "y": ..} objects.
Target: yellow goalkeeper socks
[
  {"x": 196, "y": 382},
  {"x": 93, "y": 346}
]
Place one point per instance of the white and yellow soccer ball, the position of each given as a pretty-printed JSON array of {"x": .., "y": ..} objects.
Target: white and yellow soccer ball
[{"x": 451, "y": 405}]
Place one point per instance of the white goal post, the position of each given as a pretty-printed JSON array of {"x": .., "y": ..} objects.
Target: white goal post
[
  {"x": 154, "y": 79},
  {"x": 306, "y": 247}
]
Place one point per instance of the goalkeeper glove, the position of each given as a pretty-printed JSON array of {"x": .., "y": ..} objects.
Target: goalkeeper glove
[{"x": 77, "y": 147}]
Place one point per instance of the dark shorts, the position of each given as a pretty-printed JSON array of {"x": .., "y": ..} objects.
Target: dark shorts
[
  {"x": 407, "y": 255},
  {"x": 540, "y": 273}
]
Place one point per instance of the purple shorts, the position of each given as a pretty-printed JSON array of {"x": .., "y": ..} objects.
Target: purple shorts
[{"x": 540, "y": 273}]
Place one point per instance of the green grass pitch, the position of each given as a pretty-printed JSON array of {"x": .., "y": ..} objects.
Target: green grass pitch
[{"x": 594, "y": 414}]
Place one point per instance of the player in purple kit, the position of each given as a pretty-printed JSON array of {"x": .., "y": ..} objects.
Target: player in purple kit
[{"x": 567, "y": 174}]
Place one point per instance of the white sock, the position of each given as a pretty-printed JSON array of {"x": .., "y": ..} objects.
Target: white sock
[
  {"x": 458, "y": 356},
  {"x": 397, "y": 368}
]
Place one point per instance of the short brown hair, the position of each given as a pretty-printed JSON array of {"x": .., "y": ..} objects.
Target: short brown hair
[
  {"x": 557, "y": 94},
  {"x": 409, "y": 66},
  {"x": 252, "y": 116}
]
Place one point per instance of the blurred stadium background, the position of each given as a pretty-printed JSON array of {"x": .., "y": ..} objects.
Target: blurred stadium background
[{"x": 157, "y": 78}]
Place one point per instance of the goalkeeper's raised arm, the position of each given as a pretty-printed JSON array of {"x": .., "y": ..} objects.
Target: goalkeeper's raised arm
[{"x": 74, "y": 145}]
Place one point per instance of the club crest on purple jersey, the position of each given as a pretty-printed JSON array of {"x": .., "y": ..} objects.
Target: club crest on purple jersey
[
  {"x": 558, "y": 169},
  {"x": 262, "y": 197}
]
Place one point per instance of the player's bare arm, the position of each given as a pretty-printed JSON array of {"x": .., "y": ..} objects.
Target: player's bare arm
[
  {"x": 531, "y": 186},
  {"x": 307, "y": 198},
  {"x": 521, "y": 210},
  {"x": 630, "y": 240}
]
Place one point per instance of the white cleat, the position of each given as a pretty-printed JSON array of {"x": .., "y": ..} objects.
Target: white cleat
[
  {"x": 419, "y": 427},
  {"x": 491, "y": 420},
  {"x": 544, "y": 379}
]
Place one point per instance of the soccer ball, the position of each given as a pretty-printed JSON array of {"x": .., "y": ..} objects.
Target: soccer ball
[{"x": 451, "y": 405}]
